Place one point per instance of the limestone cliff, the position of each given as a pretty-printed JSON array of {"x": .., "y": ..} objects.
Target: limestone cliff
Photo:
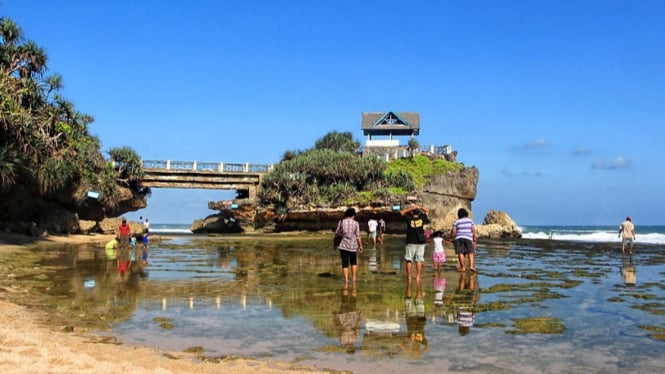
[
  {"x": 443, "y": 195},
  {"x": 68, "y": 211}
]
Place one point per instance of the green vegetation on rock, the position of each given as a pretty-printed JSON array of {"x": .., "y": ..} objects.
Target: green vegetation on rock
[
  {"x": 333, "y": 173},
  {"x": 46, "y": 149}
]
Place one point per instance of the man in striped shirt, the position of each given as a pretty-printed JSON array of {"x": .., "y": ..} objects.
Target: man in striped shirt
[{"x": 464, "y": 235}]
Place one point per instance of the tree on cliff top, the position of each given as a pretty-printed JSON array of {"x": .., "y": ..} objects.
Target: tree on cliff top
[
  {"x": 46, "y": 150},
  {"x": 333, "y": 173},
  {"x": 330, "y": 172},
  {"x": 338, "y": 142}
]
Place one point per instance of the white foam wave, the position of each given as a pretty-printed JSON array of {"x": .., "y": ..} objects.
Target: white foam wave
[
  {"x": 594, "y": 236},
  {"x": 170, "y": 231}
]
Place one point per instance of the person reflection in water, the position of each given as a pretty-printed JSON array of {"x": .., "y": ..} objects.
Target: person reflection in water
[
  {"x": 348, "y": 319},
  {"x": 628, "y": 271},
  {"x": 416, "y": 343},
  {"x": 439, "y": 287},
  {"x": 467, "y": 296}
]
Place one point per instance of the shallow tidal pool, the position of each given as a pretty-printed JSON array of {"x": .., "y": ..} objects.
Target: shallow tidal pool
[{"x": 534, "y": 305}]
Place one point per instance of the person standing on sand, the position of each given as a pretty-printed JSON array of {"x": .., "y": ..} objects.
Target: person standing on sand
[
  {"x": 627, "y": 230},
  {"x": 416, "y": 219},
  {"x": 351, "y": 244},
  {"x": 464, "y": 235}
]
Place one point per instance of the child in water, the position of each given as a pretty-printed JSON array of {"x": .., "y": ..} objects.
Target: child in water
[
  {"x": 438, "y": 255},
  {"x": 146, "y": 241}
]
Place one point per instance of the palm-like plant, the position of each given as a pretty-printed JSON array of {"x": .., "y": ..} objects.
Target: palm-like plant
[
  {"x": 413, "y": 146},
  {"x": 338, "y": 142},
  {"x": 9, "y": 162}
]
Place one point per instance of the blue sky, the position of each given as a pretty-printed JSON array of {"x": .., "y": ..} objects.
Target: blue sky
[{"x": 560, "y": 104}]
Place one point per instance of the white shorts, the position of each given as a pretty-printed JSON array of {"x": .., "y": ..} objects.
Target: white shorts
[{"x": 415, "y": 252}]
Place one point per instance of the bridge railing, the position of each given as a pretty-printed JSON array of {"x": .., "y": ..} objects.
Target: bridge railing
[{"x": 206, "y": 166}]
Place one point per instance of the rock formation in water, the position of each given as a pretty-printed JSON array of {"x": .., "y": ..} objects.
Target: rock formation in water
[{"x": 443, "y": 195}]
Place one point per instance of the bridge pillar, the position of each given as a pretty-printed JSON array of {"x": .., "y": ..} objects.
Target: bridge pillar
[{"x": 252, "y": 192}]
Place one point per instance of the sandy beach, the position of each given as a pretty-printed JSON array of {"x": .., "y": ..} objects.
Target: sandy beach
[{"x": 30, "y": 344}]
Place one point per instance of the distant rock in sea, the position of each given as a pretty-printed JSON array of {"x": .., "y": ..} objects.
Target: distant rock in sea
[{"x": 498, "y": 225}]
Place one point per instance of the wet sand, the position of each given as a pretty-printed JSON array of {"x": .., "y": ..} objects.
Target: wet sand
[{"x": 29, "y": 345}]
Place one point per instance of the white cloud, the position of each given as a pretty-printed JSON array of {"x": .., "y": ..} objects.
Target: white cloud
[
  {"x": 506, "y": 172},
  {"x": 537, "y": 143},
  {"x": 581, "y": 151},
  {"x": 619, "y": 162}
]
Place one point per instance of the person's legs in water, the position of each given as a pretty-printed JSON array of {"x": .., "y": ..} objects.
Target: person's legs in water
[
  {"x": 462, "y": 262},
  {"x": 419, "y": 257},
  {"x": 472, "y": 266},
  {"x": 353, "y": 260},
  {"x": 459, "y": 249},
  {"x": 345, "y": 264},
  {"x": 410, "y": 256},
  {"x": 419, "y": 270}
]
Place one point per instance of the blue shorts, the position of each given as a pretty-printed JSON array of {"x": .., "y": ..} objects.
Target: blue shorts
[{"x": 415, "y": 252}]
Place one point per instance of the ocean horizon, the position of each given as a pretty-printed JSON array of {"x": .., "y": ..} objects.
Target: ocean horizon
[{"x": 645, "y": 234}]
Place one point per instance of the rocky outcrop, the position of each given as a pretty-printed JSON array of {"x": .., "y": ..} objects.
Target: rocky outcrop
[
  {"x": 443, "y": 195},
  {"x": 498, "y": 225},
  {"x": 446, "y": 193},
  {"x": 61, "y": 212},
  {"x": 110, "y": 225}
]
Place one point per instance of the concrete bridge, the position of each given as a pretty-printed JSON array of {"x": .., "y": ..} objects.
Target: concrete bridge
[{"x": 244, "y": 178}]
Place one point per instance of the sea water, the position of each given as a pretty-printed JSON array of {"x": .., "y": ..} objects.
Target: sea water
[
  {"x": 600, "y": 234},
  {"x": 647, "y": 234},
  {"x": 600, "y": 311}
]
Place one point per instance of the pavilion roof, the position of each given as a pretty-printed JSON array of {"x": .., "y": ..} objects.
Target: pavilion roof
[{"x": 395, "y": 123}]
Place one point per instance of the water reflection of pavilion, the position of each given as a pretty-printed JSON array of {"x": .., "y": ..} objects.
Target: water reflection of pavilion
[{"x": 216, "y": 302}]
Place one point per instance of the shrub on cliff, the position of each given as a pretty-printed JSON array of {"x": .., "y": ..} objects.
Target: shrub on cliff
[
  {"x": 419, "y": 169},
  {"x": 333, "y": 173},
  {"x": 320, "y": 175}
]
